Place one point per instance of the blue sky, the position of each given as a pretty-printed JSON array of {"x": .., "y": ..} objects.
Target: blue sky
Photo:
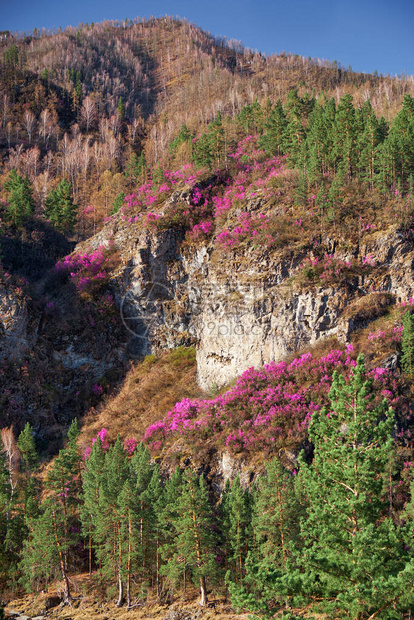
[{"x": 367, "y": 35}]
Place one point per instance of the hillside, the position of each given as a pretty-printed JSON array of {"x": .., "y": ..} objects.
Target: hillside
[{"x": 206, "y": 329}]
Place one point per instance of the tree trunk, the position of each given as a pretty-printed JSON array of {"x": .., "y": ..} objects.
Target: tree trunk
[
  {"x": 67, "y": 593},
  {"x": 120, "y": 600},
  {"x": 203, "y": 591}
]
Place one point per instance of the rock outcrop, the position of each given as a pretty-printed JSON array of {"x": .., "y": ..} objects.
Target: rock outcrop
[{"x": 244, "y": 307}]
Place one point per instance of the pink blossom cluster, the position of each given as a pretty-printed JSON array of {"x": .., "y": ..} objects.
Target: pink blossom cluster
[
  {"x": 86, "y": 269},
  {"x": 149, "y": 195},
  {"x": 130, "y": 444},
  {"x": 203, "y": 229},
  {"x": 267, "y": 408},
  {"x": 330, "y": 269},
  {"x": 102, "y": 436},
  {"x": 250, "y": 227}
]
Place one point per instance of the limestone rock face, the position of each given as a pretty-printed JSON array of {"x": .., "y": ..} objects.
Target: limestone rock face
[
  {"x": 15, "y": 332},
  {"x": 242, "y": 309}
]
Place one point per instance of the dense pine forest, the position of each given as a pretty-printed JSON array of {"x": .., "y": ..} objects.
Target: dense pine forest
[{"x": 112, "y": 475}]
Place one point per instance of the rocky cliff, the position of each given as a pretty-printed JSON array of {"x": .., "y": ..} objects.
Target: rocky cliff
[{"x": 247, "y": 306}]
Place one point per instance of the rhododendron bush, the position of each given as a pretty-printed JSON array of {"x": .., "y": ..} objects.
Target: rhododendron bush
[{"x": 269, "y": 408}]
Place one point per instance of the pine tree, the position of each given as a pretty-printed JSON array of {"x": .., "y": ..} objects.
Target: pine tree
[
  {"x": 276, "y": 515},
  {"x": 400, "y": 141},
  {"x": 194, "y": 535},
  {"x": 345, "y": 136},
  {"x": 27, "y": 448},
  {"x": 129, "y": 531},
  {"x": 5, "y": 513},
  {"x": 20, "y": 198},
  {"x": 120, "y": 109},
  {"x": 46, "y": 549},
  {"x": 108, "y": 521},
  {"x": 168, "y": 516},
  {"x": 92, "y": 477},
  {"x": 203, "y": 152},
  {"x": 60, "y": 209},
  {"x": 407, "y": 343},
  {"x": 60, "y": 513},
  {"x": 118, "y": 202},
  {"x": 155, "y": 497},
  {"x": 53, "y": 530},
  {"x": 240, "y": 534},
  {"x": 275, "y": 128},
  {"x": 368, "y": 140},
  {"x": 277, "y": 510},
  {"x": 295, "y": 134},
  {"x": 353, "y": 556}
]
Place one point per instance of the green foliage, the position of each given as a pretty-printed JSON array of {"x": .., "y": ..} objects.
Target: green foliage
[
  {"x": 20, "y": 198},
  {"x": 27, "y": 448},
  {"x": 11, "y": 56},
  {"x": 136, "y": 169},
  {"x": 120, "y": 109},
  {"x": 194, "y": 540},
  {"x": 352, "y": 556},
  {"x": 202, "y": 152},
  {"x": 407, "y": 343},
  {"x": 60, "y": 209},
  {"x": 275, "y": 128},
  {"x": 184, "y": 136},
  {"x": 118, "y": 202}
]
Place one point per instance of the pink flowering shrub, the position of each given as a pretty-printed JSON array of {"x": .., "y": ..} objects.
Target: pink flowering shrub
[
  {"x": 130, "y": 445},
  {"x": 102, "y": 436},
  {"x": 267, "y": 408},
  {"x": 330, "y": 270},
  {"x": 89, "y": 272}
]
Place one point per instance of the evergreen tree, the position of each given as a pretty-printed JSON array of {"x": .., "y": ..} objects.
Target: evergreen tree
[
  {"x": 27, "y": 449},
  {"x": 276, "y": 515},
  {"x": 239, "y": 517},
  {"x": 345, "y": 136},
  {"x": 129, "y": 534},
  {"x": 368, "y": 140},
  {"x": 20, "y": 198},
  {"x": 277, "y": 510},
  {"x": 92, "y": 477},
  {"x": 400, "y": 142},
  {"x": 353, "y": 556},
  {"x": 155, "y": 497},
  {"x": 407, "y": 343},
  {"x": 120, "y": 109},
  {"x": 295, "y": 134},
  {"x": 109, "y": 520},
  {"x": 203, "y": 152},
  {"x": 145, "y": 512},
  {"x": 184, "y": 136},
  {"x": 251, "y": 117},
  {"x": 194, "y": 535},
  {"x": 46, "y": 549},
  {"x": 60, "y": 513},
  {"x": 5, "y": 514},
  {"x": 168, "y": 516},
  {"x": 275, "y": 128},
  {"x": 118, "y": 202},
  {"x": 60, "y": 209}
]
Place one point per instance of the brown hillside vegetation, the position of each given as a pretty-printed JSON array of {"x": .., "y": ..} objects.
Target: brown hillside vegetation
[{"x": 150, "y": 390}]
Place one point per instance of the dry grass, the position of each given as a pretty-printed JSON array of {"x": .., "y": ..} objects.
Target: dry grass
[
  {"x": 150, "y": 390},
  {"x": 369, "y": 307},
  {"x": 89, "y": 604}
]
